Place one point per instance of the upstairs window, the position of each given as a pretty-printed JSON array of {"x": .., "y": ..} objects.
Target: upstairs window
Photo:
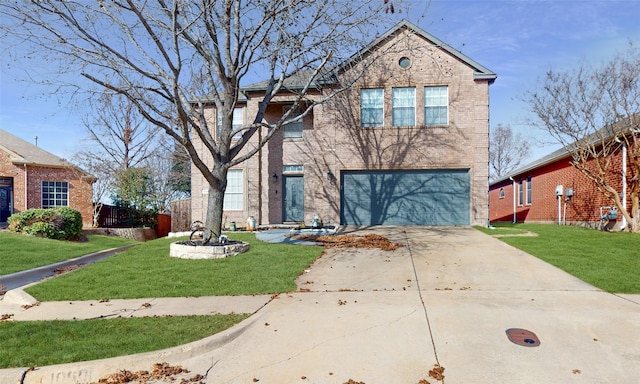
[
  {"x": 293, "y": 130},
  {"x": 502, "y": 193},
  {"x": 436, "y": 105},
  {"x": 55, "y": 194},
  {"x": 238, "y": 122},
  {"x": 372, "y": 107},
  {"x": 404, "y": 107},
  {"x": 233, "y": 195}
]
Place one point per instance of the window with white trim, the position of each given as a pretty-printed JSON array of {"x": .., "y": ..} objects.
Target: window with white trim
[
  {"x": 502, "y": 193},
  {"x": 293, "y": 130},
  {"x": 520, "y": 192},
  {"x": 436, "y": 105},
  {"x": 238, "y": 122},
  {"x": 234, "y": 194},
  {"x": 372, "y": 107},
  {"x": 528, "y": 190},
  {"x": 403, "y": 104},
  {"x": 55, "y": 194},
  {"x": 293, "y": 168}
]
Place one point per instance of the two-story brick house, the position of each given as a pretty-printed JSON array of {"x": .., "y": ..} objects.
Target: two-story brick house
[
  {"x": 406, "y": 145},
  {"x": 31, "y": 177}
]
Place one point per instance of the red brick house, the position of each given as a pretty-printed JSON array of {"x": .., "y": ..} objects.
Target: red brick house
[
  {"x": 551, "y": 190},
  {"x": 409, "y": 148},
  {"x": 31, "y": 177}
]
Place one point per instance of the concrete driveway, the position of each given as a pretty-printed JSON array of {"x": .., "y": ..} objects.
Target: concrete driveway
[{"x": 446, "y": 297}]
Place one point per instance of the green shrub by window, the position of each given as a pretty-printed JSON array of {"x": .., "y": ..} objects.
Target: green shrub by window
[{"x": 54, "y": 223}]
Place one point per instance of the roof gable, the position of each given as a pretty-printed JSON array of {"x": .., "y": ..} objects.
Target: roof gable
[
  {"x": 480, "y": 72},
  {"x": 23, "y": 152},
  {"x": 299, "y": 79}
]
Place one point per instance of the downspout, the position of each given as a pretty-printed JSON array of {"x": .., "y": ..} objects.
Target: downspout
[
  {"x": 513, "y": 186},
  {"x": 623, "y": 225},
  {"x": 26, "y": 187}
]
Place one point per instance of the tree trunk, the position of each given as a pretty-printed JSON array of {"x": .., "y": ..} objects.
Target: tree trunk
[
  {"x": 215, "y": 202},
  {"x": 214, "y": 212}
]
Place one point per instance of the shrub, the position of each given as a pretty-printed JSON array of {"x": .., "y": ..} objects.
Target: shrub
[{"x": 55, "y": 223}]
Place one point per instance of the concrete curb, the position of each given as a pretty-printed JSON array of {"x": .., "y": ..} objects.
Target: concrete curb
[
  {"x": 18, "y": 297},
  {"x": 92, "y": 371},
  {"x": 19, "y": 279}
]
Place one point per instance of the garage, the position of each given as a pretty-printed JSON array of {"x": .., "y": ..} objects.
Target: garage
[{"x": 405, "y": 197}]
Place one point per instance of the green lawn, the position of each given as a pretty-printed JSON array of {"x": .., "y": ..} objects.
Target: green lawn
[
  {"x": 607, "y": 260},
  {"x": 147, "y": 271},
  {"x": 20, "y": 252},
  {"x": 38, "y": 343}
]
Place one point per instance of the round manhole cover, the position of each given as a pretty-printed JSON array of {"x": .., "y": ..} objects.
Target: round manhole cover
[{"x": 523, "y": 337}]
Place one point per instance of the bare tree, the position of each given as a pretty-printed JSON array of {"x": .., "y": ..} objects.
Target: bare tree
[
  {"x": 171, "y": 58},
  {"x": 506, "y": 150},
  {"x": 594, "y": 112},
  {"x": 119, "y": 138}
]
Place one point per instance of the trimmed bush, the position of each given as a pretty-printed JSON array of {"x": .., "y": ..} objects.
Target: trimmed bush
[{"x": 54, "y": 223}]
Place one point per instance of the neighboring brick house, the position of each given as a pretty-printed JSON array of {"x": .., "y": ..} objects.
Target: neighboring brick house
[
  {"x": 31, "y": 177},
  {"x": 532, "y": 194},
  {"x": 409, "y": 148}
]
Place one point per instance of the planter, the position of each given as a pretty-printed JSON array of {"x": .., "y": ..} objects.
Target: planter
[{"x": 190, "y": 250}]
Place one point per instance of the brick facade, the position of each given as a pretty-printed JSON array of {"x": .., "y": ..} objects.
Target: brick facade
[
  {"x": 583, "y": 208},
  {"x": 333, "y": 140},
  {"x": 26, "y": 185}
]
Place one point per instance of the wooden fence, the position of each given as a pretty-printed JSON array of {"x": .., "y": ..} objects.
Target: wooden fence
[
  {"x": 181, "y": 215},
  {"x": 113, "y": 217}
]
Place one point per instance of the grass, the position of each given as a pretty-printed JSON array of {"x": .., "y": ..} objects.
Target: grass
[
  {"x": 607, "y": 260},
  {"x": 38, "y": 343},
  {"x": 20, "y": 252},
  {"x": 147, "y": 271}
]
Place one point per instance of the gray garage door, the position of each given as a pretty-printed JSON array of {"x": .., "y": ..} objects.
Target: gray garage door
[{"x": 411, "y": 197}]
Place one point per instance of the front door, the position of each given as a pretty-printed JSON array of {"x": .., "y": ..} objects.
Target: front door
[
  {"x": 293, "y": 199},
  {"x": 5, "y": 209}
]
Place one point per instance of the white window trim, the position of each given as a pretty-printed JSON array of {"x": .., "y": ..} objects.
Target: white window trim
[
  {"x": 393, "y": 107},
  {"x": 377, "y": 124},
  {"x": 235, "y": 195},
  {"x": 446, "y": 87},
  {"x": 237, "y": 122}
]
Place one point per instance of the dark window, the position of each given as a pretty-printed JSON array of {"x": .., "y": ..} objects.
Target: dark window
[
  {"x": 293, "y": 130},
  {"x": 55, "y": 194}
]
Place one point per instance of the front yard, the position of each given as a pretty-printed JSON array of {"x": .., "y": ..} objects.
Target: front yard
[
  {"x": 607, "y": 260},
  {"x": 19, "y": 252},
  {"x": 142, "y": 272}
]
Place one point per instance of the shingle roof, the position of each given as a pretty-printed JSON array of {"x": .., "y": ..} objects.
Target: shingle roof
[
  {"x": 23, "y": 152},
  {"x": 606, "y": 133},
  {"x": 299, "y": 80}
]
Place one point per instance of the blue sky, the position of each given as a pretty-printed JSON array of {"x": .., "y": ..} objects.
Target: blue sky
[{"x": 518, "y": 40}]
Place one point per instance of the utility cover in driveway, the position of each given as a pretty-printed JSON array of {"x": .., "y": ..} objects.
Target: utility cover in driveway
[{"x": 405, "y": 197}]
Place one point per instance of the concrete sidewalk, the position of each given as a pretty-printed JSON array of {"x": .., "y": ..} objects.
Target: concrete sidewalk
[{"x": 447, "y": 297}]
